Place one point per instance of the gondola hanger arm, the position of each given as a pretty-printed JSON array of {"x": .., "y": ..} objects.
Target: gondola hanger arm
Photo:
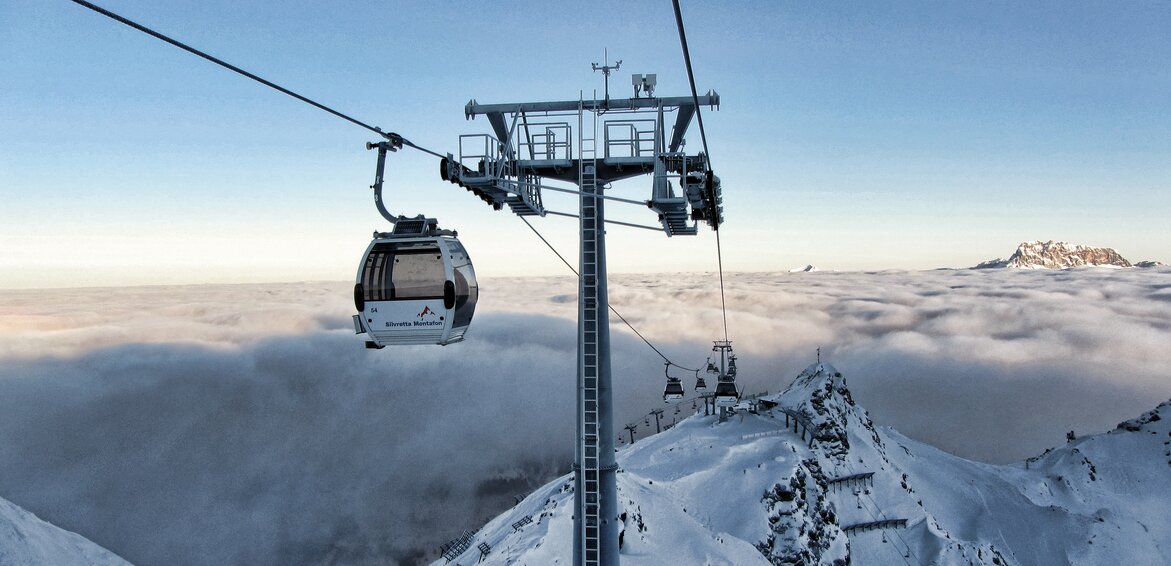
[{"x": 393, "y": 143}]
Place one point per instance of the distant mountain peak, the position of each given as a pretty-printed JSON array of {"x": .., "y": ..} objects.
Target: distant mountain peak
[{"x": 1057, "y": 255}]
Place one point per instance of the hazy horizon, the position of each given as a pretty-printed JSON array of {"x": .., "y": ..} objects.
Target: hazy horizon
[
  {"x": 856, "y": 135},
  {"x": 236, "y": 280}
]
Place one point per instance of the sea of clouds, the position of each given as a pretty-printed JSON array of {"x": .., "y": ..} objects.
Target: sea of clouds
[{"x": 247, "y": 423}]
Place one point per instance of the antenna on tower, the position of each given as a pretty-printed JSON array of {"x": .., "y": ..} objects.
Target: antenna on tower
[{"x": 605, "y": 69}]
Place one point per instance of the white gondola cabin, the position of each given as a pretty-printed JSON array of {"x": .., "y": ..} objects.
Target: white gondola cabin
[
  {"x": 726, "y": 393},
  {"x": 674, "y": 390},
  {"x": 415, "y": 286}
]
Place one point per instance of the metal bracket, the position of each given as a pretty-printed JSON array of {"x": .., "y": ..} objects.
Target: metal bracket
[{"x": 394, "y": 143}]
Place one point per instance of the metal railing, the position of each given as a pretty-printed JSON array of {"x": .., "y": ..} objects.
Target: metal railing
[{"x": 630, "y": 138}]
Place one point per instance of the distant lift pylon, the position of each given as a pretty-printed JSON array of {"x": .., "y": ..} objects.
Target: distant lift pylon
[{"x": 726, "y": 393}]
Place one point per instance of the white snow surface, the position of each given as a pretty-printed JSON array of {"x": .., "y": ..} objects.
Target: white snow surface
[
  {"x": 752, "y": 491},
  {"x": 26, "y": 540}
]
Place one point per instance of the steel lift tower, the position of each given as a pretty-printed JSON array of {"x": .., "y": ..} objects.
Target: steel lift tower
[{"x": 591, "y": 143}]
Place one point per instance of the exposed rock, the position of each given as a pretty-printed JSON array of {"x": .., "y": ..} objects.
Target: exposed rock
[
  {"x": 1136, "y": 424},
  {"x": 803, "y": 524},
  {"x": 1057, "y": 255},
  {"x": 821, "y": 397}
]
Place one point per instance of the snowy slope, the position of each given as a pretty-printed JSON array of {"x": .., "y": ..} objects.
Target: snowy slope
[
  {"x": 753, "y": 490},
  {"x": 26, "y": 540}
]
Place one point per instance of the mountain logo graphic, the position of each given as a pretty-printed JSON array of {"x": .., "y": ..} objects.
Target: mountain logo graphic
[{"x": 426, "y": 311}]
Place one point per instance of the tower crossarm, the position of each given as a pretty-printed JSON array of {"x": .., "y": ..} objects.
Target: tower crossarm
[
  {"x": 473, "y": 108},
  {"x": 535, "y": 141}
]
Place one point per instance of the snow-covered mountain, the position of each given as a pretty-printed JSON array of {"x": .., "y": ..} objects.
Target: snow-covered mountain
[
  {"x": 1057, "y": 255},
  {"x": 804, "y": 477},
  {"x": 26, "y": 540},
  {"x": 807, "y": 269}
]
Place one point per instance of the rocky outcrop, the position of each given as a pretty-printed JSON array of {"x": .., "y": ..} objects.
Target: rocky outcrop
[
  {"x": 821, "y": 398},
  {"x": 1057, "y": 255},
  {"x": 803, "y": 525}
]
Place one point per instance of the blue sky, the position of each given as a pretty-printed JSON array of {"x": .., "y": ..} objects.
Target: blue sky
[{"x": 851, "y": 135}]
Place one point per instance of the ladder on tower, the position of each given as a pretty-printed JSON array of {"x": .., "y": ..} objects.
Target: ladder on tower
[{"x": 591, "y": 467}]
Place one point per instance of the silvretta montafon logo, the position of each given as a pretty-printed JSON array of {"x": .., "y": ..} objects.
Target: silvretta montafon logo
[{"x": 427, "y": 318}]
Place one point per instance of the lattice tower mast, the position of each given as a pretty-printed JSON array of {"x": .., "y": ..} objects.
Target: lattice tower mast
[{"x": 533, "y": 142}]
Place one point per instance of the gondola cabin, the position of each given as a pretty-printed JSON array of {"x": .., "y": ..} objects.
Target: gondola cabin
[
  {"x": 674, "y": 390},
  {"x": 726, "y": 394},
  {"x": 414, "y": 288}
]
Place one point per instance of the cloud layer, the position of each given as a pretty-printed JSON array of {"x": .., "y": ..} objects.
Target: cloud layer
[{"x": 246, "y": 424}]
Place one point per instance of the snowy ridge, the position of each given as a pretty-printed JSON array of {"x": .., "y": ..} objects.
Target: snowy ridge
[
  {"x": 1057, "y": 255},
  {"x": 804, "y": 477},
  {"x": 27, "y": 540},
  {"x": 846, "y": 444}
]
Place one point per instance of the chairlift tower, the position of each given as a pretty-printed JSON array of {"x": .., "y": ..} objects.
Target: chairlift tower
[{"x": 590, "y": 144}]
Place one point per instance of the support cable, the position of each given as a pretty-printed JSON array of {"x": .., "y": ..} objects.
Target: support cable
[
  {"x": 393, "y": 137},
  {"x": 691, "y": 79},
  {"x": 706, "y": 152},
  {"x": 618, "y": 222},
  {"x": 895, "y": 531},
  {"x": 388, "y": 135},
  {"x": 611, "y": 307},
  {"x": 723, "y": 305}
]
